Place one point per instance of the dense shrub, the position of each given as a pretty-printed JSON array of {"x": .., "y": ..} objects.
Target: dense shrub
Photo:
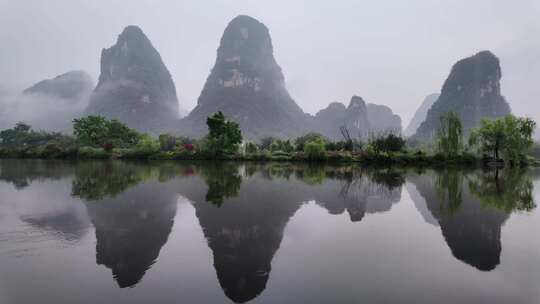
[
  {"x": 388, "y": 143},
  {"x": 315, "y": 149},
  {"x": 99, "y": 132},
  {"x": 281, "y": 145},
  {"x": 167, "y": 142},
  {"x": 302, "y": 140},
  {"x": 91, "y": 152}
]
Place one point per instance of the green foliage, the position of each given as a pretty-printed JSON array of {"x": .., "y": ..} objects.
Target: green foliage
[
  {"x": 510, "y": 189},
  {"x": 312, "y": 174},
  {"x": 223, "y": 138},
  {"x": 97, "y": 131},
  {"x": 280, "y": 155},
  {"x": 22, "y": 136},
  {"x": 387, "y": 143},
  {"x": 251, "y": 148},
  {"x": 302, "y": 140},
  {"x": 167, "y": 142},
  {"x": 147, "y": 145},
  {"x": 266, "y": 142},
  {"x": 314, "y": 149},
  {"x": 93, "y": 153},
  {"x": 450, "y": 135},
  {"x": 98, "y": 180},
  {"x": 281, "y": 145},
  {"x": 510, "y": 136},
  {"x": 449, "y": 186},
  {"x": 344, "y": 145},
  {"x": 223, "y": 180}
]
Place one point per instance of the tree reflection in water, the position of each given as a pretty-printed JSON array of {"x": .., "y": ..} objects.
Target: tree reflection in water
[
  {"x": 243, "y": 209},
  {"x": 471, "y": 208}
]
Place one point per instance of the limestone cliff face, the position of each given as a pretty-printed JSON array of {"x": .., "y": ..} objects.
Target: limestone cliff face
[
  {"x": 382, "y": 120},
  {"x": 248, "y": 86},
  {"x": 71, "y": 86},
  {"x": 359, "y": 118},
  {"x": 328, "y": 121},
  {"x": 472, "y": 90},
  {"x": 420, "y": 114},
  {"x": 134, "y": 86}
]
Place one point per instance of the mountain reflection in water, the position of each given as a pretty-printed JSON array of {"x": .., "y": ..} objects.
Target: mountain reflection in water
[{"x": 243, "y": 209}]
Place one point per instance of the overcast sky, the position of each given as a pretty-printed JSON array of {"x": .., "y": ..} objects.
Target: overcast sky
[{"x": 389, "y": 52}]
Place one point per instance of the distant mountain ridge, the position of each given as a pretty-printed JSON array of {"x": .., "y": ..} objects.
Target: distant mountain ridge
[
  {"x": 421, "y": 113},
  {"x": 248, "y": 86},
  {"x": 360, "y": 118},
  {"x": 71, "y": 85}
]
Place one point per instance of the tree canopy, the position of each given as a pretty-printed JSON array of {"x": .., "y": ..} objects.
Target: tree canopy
[
  {"x": 97, "y": 131},
  {"x": 224, "y": 136},
  {"x": 450, "y": 135},
  {"x": 510, "y": 136}
]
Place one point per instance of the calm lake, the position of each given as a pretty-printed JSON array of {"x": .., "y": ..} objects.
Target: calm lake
[{"x": 174, "y": 232}]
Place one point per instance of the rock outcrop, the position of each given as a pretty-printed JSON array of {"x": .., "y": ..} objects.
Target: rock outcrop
[
  {"x": 328, "y": 121},
  {"x": 135, "y": 86},
  {"x": 360, "y": 119},
  {"x": 382, "y": 120},
  {"x": 421, "y": 113},
  {"x": 472, "y": 90},
  {"x": 248, "y": 86},
  {"x": 72, "y": 86}
]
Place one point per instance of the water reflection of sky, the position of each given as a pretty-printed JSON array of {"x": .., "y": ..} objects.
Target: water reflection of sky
[{"x": 51, "y": 242}]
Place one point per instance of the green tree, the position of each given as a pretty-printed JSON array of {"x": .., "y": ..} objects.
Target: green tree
[
  {"x": 167, "y": 142},
  {"x": 121, "y": 136},
  {"x": 450, "y": 135},
  {"x": 91, "y": 131},
  {"x": 147, "y": 144},
  {"x": 223, "y": 138},
  {"x": 22, "y": 136},
  {"x": 315, "y": 149},
  {"x": 388, "y": 143},
  {"x": 302, "y": 140},
  {"x": 510, "y": 136},
  {"x": 97, "y": 131}
]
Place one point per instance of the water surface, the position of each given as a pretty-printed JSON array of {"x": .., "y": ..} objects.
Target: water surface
[{"x": 173, "y": 232}]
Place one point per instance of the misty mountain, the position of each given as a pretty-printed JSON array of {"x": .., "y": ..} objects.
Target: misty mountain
[
  {"x": 134, "y": 85},
  {"x": 472, "y": 90},
  {"x": 420, "y": 114},
  {"x": 248, "y": 86},
  {"x": 49, "y": 104},
  {"x": 359, "y": 118},
  {"x": 382, "y": 120},
  {"x": 72, "y": 86},
  {"x": 328, "y": 121}
]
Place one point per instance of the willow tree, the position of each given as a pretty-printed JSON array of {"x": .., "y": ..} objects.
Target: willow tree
[{"x": 450, "y": 135}]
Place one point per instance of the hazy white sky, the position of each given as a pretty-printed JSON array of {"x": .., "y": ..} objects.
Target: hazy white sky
[{"x": 389, "y": 52}]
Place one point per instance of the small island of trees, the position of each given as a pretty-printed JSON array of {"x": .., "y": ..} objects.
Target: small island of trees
[{"x": 499, "y": 142}]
